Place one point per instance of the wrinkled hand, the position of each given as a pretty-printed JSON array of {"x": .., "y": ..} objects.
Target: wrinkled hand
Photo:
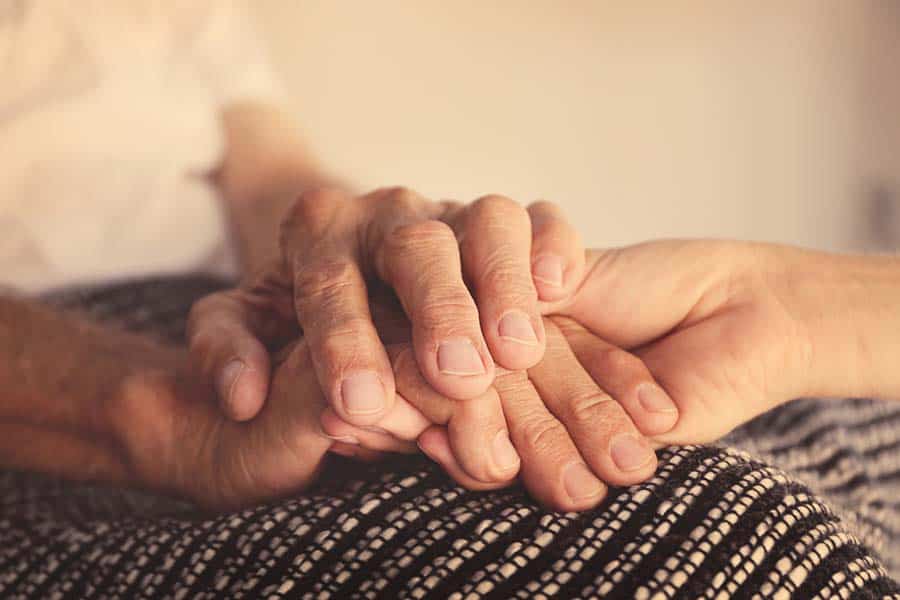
[
  {"x": 179, "y": 443},
  {"x": 339, "y": 251}
]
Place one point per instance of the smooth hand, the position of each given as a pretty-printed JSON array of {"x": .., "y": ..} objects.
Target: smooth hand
[{"x": 722, "y": 326}]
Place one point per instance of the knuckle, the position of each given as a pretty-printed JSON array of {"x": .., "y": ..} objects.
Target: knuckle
[
  {"x": 504, "y": 274},
  {"x": 498, "y": 212},
  {"x": 324, "y": 280},
  {"x": 420, "y": 235},
  {"x": 401, "y": 197},
  {"x": 513, "y": 383},
  {"x": 203, "y": 311},
  {"x": 446, "y": 310},
  {"x": 545, "y": 207},
  {"x": 347, "y": 329},
  {"x": 395, "y": 202},
  {"x": 592, "y": 408},
  {"x": 312, "y": 210},
  {"x": 338, "y": 351},
  {"x": 495, "y": 204},
  {"x": 543, "y": 433}
]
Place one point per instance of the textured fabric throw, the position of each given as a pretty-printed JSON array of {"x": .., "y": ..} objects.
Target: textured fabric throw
[{"x": 804, "y": 502}]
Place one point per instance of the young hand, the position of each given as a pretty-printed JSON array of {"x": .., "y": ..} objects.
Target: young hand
[{"x": 721, "y": 326}]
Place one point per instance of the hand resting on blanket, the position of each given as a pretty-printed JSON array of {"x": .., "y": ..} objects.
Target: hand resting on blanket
[
  {"x": 728, "y": 329},
  {"x": 702, "y": 337}
]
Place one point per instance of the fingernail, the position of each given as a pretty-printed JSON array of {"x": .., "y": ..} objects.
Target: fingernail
[
  {"x": 629, "y": 453},
  {"x": 654, "y": 399},
  {"x": 515, "y": 326},
  {"x": 346, "y": 439},
  {"x": 580, "y": 483},
  {"x": 505, "y": 455},
  {"x": 228, "y": 378},
  {"x": 362, "y": 393},
  {"x": 548, "y": 269},
  {"x": 459, "y": 357}
]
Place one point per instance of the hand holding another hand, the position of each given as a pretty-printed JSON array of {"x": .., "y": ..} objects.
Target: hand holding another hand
[
  {"x": 690, "y": 338},
  {"x": 659, "y": 343}
]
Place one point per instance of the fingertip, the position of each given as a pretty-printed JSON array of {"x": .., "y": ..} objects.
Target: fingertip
[
  {"x": 460, "y": 357},
  {"x": 367, "y": 438},
  {"x": 362, "y": 398},
  {"x": 583, "y": 488},
  {"x": 404, "y": 421},
  {"x": 519, "y": 342},
  {"x": 659, "y": 412},
  {"x": 457, "y": 368},
  {"x": 633, "y": 457},
  {"x": 557, "y": 252},
  {"x": 552, "y": 277},
  {"x": 240, "y": 394},
  {"x": 549, "y": 269},
  {"x": 248, "y": 395},
  {"x": 226, "y": 381},
  {"x": 505, "y": 457},
  {"x": 435, "y": 443}
]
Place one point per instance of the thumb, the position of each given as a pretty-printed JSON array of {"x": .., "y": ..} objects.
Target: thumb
[{"x": 226, "y": 337}]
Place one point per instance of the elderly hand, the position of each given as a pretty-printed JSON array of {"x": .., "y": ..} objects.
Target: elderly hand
[
  {"x": 177, "y": 440},
  {"x": 338, "y": 249}
]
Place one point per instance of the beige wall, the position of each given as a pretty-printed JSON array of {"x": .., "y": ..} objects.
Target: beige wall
[{"x": 643, "y": 119}]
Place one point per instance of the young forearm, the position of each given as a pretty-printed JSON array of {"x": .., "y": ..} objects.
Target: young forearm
[{"x": 849, "y": 307}]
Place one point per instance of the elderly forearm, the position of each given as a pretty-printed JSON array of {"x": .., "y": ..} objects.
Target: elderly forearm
[
  {"x": 265, "y": 167},
  {"x": 59, "y": 377}
]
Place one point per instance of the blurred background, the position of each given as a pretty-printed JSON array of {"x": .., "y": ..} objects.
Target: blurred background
[{"x": 766, "y": 120}]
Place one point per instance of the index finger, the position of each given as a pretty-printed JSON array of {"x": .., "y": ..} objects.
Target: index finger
[{"x": 319, "y": 241}]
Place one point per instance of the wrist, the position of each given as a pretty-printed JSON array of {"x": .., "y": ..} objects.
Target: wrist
[{"x": 848, "y": 310}]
